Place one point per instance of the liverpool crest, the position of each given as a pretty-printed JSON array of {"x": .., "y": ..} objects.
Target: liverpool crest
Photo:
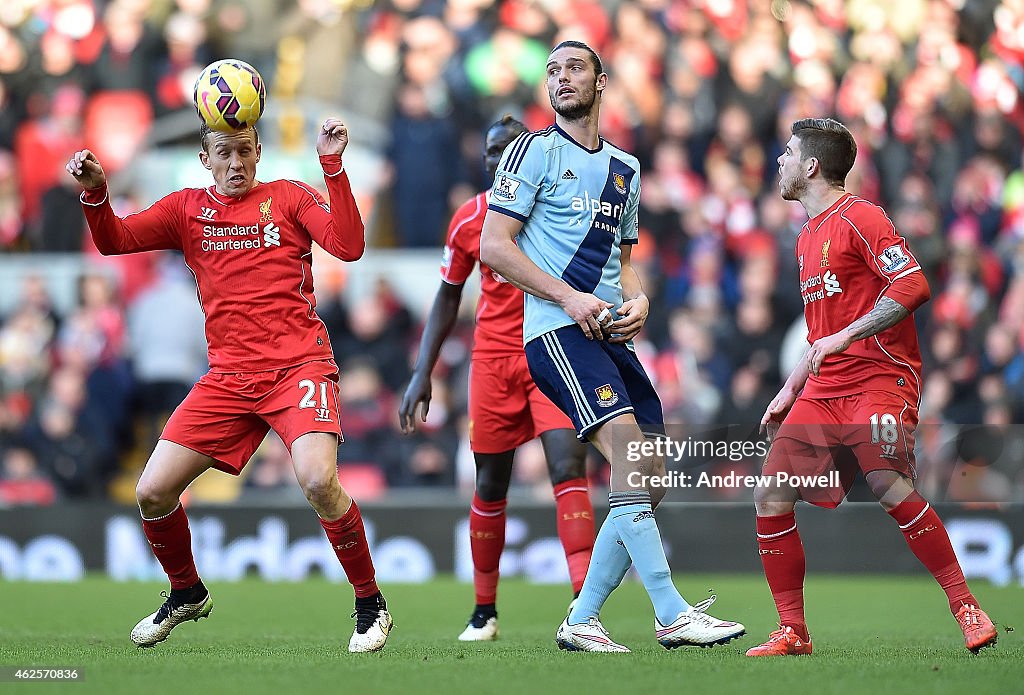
[{"x": 266, "y": 214}]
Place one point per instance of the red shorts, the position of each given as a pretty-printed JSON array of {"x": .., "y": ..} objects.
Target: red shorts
[
  {"x": 506, "y": 409},
  {"x": 227, "y": 415},
  {"x": 864, "y": 432}
]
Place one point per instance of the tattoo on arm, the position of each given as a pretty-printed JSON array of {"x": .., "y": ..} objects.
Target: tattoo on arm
[{"x": 887, "y": 313}]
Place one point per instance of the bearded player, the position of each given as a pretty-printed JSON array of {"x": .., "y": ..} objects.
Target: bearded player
[
  {"x": 561, "y": 225},
  {"x": 506, "y": 409},
  {"x": 248, "y": 244},
  {"x": 856, "y": 391}
]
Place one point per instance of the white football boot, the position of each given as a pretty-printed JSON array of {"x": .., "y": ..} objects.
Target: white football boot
[
  {"x": 373, "y": 624},
  {"x": 696, "y": 628},
  {"x": 157, "y": 626},
  {"x": 480, "y": 629},
  {"x": 586, "y": 637}
]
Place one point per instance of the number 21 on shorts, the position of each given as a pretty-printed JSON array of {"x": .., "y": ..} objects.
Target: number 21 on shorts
[
  {"x": 885, "y": 432},
  {"x": 323, "y": 411}
]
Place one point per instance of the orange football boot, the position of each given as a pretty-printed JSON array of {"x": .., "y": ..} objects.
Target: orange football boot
[
  {"x": 782, "y": 642},
  {"x": 979, "y": 632}
]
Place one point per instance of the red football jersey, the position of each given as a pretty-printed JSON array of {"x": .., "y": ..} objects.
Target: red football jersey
[
  {"x": 251, "y": 257},
  {"x": 848, "y": 256},
  {"x": 499, "y": 315}
]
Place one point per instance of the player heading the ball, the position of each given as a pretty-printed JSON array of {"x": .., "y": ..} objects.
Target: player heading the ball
[
  {"x": 229, "y": 95},
  {"x": 249, "y": 245}
]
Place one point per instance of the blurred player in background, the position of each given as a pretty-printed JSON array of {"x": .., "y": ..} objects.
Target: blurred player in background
[
  {"x": 506, "y": 409},
  {"x": 248, "y": 244},
  {"x": 570, "y": 199},
  {"x": 857, "y": 389}
]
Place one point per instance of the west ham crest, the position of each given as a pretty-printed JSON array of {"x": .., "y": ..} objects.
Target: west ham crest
[
  {"x": 619, "y": 181},
  {"x": 606, "y": 396}
]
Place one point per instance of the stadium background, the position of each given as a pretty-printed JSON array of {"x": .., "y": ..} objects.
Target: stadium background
[{"x": 94, "y": 352}]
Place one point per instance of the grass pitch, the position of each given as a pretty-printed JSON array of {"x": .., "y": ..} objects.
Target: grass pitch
[{"x": 871, "y": 635}]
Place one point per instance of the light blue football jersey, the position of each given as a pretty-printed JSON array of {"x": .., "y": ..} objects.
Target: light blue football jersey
[{"x": 578, "y": 206}]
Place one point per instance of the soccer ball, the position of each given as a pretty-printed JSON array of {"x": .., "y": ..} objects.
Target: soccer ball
[{"x": 229, "y": 95}]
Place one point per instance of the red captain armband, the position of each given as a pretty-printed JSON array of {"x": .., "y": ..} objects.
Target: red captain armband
[
  {"x": 94, "y": 196},
  {"x": 911, "y": 290},
  {"x": 331, "y": 164}
]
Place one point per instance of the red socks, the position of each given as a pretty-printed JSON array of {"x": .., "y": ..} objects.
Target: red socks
[
  {"x": 928, "y": 540},
  {"x": 575, "y": 517},
  {"x": 486, "y": 541},
  {"x": 348, "y": 538},
  {"x": 782, "y": 555},
  {"x": 171, "y": 541}
]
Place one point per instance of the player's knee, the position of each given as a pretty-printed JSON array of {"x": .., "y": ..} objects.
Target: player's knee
[
  {"x": 492, "y": 478},
  {"x": 490, "y": 489},
  {"x": 321, "y": 491},
  {"x": 772, "y": 501},
  {"x": 153, "y": 500},
  {"x": 889, "y": 488},
  {"x": 645, "y": 465},
  {"x": 567, "y": 468}
]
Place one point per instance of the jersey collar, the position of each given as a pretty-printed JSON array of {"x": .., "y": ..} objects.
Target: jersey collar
[
  {"x": 568, "y": 137},
  {"x": 815, "y": 222},
  {"x": 226, "y": 199}
]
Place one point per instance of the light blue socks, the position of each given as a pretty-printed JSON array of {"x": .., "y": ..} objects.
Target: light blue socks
[{"x": 629, "y": 531}]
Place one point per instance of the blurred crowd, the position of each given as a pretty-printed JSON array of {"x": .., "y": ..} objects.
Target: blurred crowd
[{"x": 702, "y": 91}]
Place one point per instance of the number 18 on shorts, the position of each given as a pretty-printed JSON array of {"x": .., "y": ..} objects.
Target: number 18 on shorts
[{"x": 861, "y": 432}]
